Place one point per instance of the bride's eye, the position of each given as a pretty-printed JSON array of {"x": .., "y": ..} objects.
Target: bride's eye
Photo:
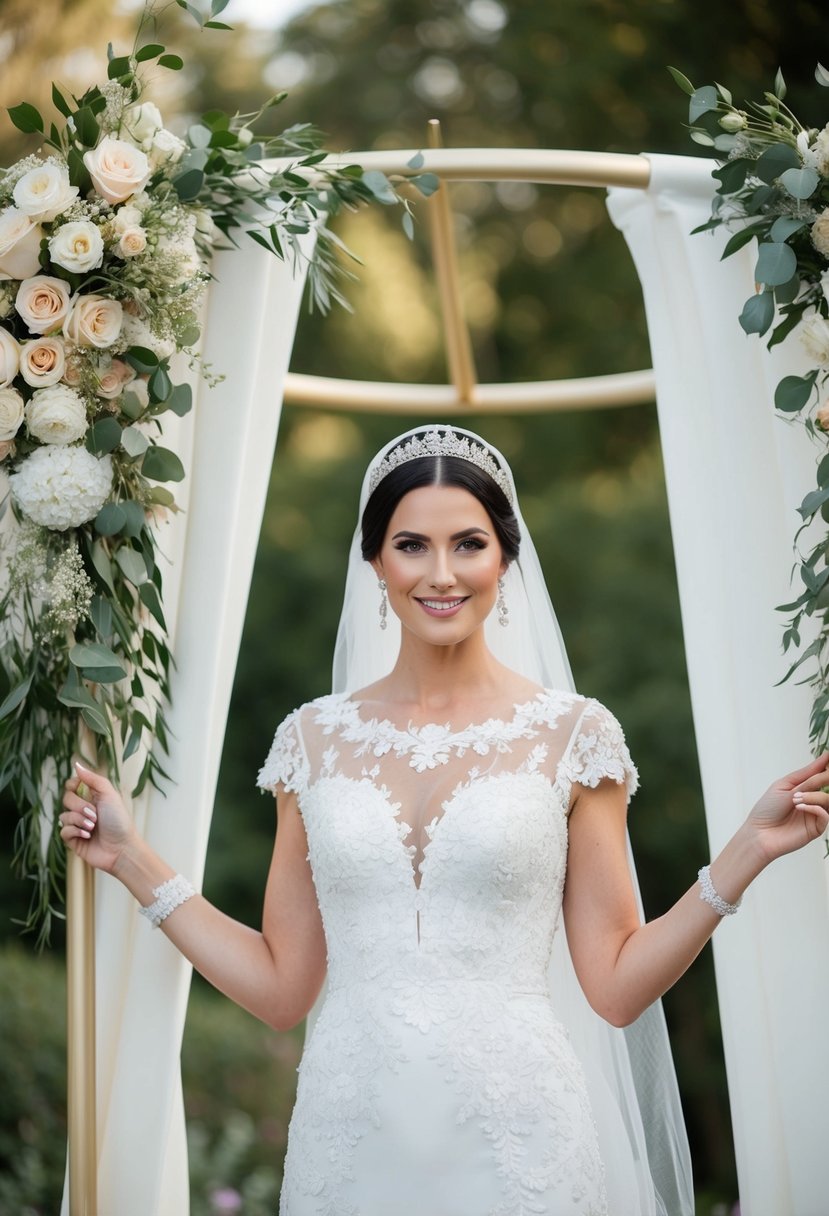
[
  {"x": 409, "y": 546},
  {"x": 470, "y": 544}
]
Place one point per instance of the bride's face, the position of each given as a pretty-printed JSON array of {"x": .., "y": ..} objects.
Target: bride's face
[{"x": 441, "y": 560}]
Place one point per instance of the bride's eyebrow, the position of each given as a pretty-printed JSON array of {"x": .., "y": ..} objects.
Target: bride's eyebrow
[{"x": 475, "y": 531}]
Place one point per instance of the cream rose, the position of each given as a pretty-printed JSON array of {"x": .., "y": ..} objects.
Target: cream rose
[
  {"x": 5, "y": 448},
  {"x": 12, "y": 412},
  {"x": 56, "y": 415},
  {"x": 44, "y": 192},
  {"x": 94, "y": 321},
  {"x": 820, "y": 233},
  {"x": 42, "y": 361},
  {"x": 113, "y": 379},
  {"x": 77, "y": 246},
  {"x": 42, "y": 303},
  {"x": 133, "y": 241},
  {"x": 117, "y": 169},
  {"x": 9, "y": 358},
  {"x": 20, "y": 239},
  {"x": 141, "y": 123},
  {"x": 814, "y": 334},
  {"x": 822, "y": 416}
]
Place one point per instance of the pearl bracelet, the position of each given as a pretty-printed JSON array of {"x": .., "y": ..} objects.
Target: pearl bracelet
[
  {"x": 169, "y": 896},
  {"x": 708, "y": 893}
]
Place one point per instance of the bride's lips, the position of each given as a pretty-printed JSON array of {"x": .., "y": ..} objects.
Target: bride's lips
[{"x": 442, "y": 606}]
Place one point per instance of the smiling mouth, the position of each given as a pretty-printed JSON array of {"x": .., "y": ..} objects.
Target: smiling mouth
[{"x": 442, "y": 607}]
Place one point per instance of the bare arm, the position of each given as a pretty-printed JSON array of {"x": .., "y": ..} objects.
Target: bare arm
[
  {"x": 624, "y": 966},
  {"x": 275, "y": 973}
]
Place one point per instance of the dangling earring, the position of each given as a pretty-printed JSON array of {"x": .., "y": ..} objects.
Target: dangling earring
[
  {"x": 384, "y": 603},
  {"x": 501, "y": 604}
]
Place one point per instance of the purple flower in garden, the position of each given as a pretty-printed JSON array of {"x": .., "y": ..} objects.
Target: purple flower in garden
[{"x": 226, "y": 1201}]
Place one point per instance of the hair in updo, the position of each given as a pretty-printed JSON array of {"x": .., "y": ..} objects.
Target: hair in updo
[{"x": 438, "y": 471}]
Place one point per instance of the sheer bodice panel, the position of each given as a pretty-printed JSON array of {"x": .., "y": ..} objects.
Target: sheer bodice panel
[{"x": 439, "y": 857}]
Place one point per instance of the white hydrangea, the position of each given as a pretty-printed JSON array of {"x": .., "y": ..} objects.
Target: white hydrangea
[
  {"x": 814, "y": 335},
  {"x": 136, "y": 332},
  {"x": 61, "y": 486}
]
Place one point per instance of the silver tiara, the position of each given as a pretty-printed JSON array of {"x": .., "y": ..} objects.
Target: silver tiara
[{"x": 440, "y": 442}]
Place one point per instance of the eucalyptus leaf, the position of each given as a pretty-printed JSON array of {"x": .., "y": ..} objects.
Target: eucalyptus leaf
[
  {"x": 180, "y": 400},
  {"x": 17, "y": 695},
  {"x": 161, "y": 496},
  {"x": 417, "y": 160},
  {"x": 813, "y": 500},
  {"x": 159, "y": 385},
  {"x": 776, "y": 264},
  {"x": 133, "y": 441},
  {"x": 100, "y": 611},
  {"x": 136, "y": 517},
  {"x": 800, "y": 183},
  {"x": 779, "y": 85},
  {"x": 793, "y": 392},
  {"x": 784, "y": 227},
  {"x": 823, "y": 471},
  {"x": 160, "y": 464},
  {"x": 93, "y": 656},
  {"x": 132, "y": 565},
  {"x": 199, "y": 136},
  {"x": 103, "y": 436},
  {"x": 141, "y": 358},
  {"x": 703, "y": 138},
  {"x": 787, "y": 292},
  {"x": 776, "y": 160},
  {"x": 151, "y": 51},
  {"x": 189, "y": 185},
  {"x": 102, "y": 564},
  {"x": 150, "y": 598},
  {"x": 739, "y": 239},
  {"x": 758, "y": 313},
  {"x": 380, "y": 186},
  {"x": 703, "y": 101},
  {"x": 110, "y": 519},
  {"x": 96, "y": 719},
  {"x": 174, "y": 62},
  {"x": 732, "y": 175}
]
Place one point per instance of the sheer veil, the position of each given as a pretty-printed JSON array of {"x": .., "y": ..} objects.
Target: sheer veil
[{"x": 630, "y": 1072}]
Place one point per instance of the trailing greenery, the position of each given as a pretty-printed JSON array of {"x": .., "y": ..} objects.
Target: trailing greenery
[{"x": 773, "y": 187}]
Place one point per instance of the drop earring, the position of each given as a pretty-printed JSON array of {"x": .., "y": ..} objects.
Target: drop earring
[
  {"x": 384, "y": 603},
  {"x": 501, "y": 604}
]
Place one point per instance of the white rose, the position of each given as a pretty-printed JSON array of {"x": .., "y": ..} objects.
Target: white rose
[
  {"x": 20, "y": 239},
  {"x": 128, "y": 216},
  {"x": 9, "y": 358},
  {"x": 77, "y": 247},
  {"x": 94, "y": 321},
  {"x": 814, "y": 334},
  {"x": 117, "y": 169},
  {"x": 137, "y": 332},
  {"x": 12, "y": 411},
  {"x": 42, "y": 361},
  {"x": 206, "y": 227},
  {"x": 44, "y": 192},
  {"x": 820, "y": 233},
  {"x": 61, "y": 486},
  {"x": 141, "y": 123},
  {"x": 166, "y": 149},
  {"x": 42, "y": 303},
  {"x": 5, "y": 448},
  {"x": 56, "y": 415},
  {"x": 133, "y": 241}
]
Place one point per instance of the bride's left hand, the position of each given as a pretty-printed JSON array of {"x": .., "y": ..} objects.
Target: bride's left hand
[{"x": 794, "y": 811}]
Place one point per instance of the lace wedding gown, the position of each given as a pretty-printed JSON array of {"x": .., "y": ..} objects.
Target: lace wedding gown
[{"x": 437, "y": 1079}]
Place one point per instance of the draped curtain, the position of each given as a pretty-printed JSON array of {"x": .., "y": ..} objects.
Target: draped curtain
[
  {"x": 736, "y": 472},
  {"x": 227, "y": 445}
]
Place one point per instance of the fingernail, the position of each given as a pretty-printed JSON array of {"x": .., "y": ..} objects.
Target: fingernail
[
  {"x": 88, "y": 823},
  {"x": 798, "y": 797},
  {"x": 85, "y": 834},
  {"x": 90, "y": 810},
  {"x": 80, "y": 767}
]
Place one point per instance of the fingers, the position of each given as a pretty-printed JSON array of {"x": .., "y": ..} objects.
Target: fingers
[
  {"x": 78, "y": 823},
  {"x": 814, "y": 782},
  {"x": 96, "y": 781},
  {"x": 820, "y": 765}
]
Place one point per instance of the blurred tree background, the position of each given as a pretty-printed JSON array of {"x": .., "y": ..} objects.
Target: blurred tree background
[{"x": 549, "y": 291}]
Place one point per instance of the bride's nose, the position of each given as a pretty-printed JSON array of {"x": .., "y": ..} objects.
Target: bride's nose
[{"x": 442, "y": 576}]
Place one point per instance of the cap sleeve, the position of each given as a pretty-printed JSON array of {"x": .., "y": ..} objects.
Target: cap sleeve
[
  {"x": 286, "y": 763},
  {"x": 598, "y": 749}
]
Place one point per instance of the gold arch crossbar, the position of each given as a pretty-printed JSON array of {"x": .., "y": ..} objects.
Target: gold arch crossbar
[{"x": 541, "y": 166}]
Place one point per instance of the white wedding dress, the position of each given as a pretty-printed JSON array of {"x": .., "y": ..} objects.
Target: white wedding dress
[{"x": 437, "y": 1079}]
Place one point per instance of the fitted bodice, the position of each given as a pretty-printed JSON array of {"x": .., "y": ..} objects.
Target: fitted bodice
[
  {"x": 438, "y": 857},
  {"x": 431, "y": 847}
]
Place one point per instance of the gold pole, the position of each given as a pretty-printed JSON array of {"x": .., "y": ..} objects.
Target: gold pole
[
  {"x": 80, "y": 1037},
  {"x": 445, "y": 256}
]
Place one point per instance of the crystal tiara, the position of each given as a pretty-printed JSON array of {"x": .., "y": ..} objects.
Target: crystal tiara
[{"x": 441, "y": 442}]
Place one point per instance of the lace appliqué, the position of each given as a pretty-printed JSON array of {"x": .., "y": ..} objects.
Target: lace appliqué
[{"x": 598, "y": 750}]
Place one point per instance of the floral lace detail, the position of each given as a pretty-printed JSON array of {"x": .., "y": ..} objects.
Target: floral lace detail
[{"x": 444, "y": 983}]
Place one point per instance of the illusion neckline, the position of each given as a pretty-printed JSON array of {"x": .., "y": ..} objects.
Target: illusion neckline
[{"x": 520, "y": 708}]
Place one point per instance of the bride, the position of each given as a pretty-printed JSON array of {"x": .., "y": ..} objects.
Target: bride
[{"x": 467, "y": 1055}]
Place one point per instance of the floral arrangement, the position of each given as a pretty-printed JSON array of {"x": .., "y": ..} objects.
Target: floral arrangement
[
  {"x": 773, "y": 186},
  {"x": 106, "y": 234}
]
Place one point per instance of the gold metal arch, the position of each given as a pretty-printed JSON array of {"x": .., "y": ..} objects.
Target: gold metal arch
[{"x": 541, "y": 166}]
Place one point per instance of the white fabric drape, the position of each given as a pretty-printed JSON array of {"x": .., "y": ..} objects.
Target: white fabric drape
[
  {"x": 735, "y": 474},
  {"x": 227, "y": 444}
]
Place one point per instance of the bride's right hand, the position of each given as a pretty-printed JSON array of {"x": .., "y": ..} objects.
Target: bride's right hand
[{"x": 97, "y": 827}]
